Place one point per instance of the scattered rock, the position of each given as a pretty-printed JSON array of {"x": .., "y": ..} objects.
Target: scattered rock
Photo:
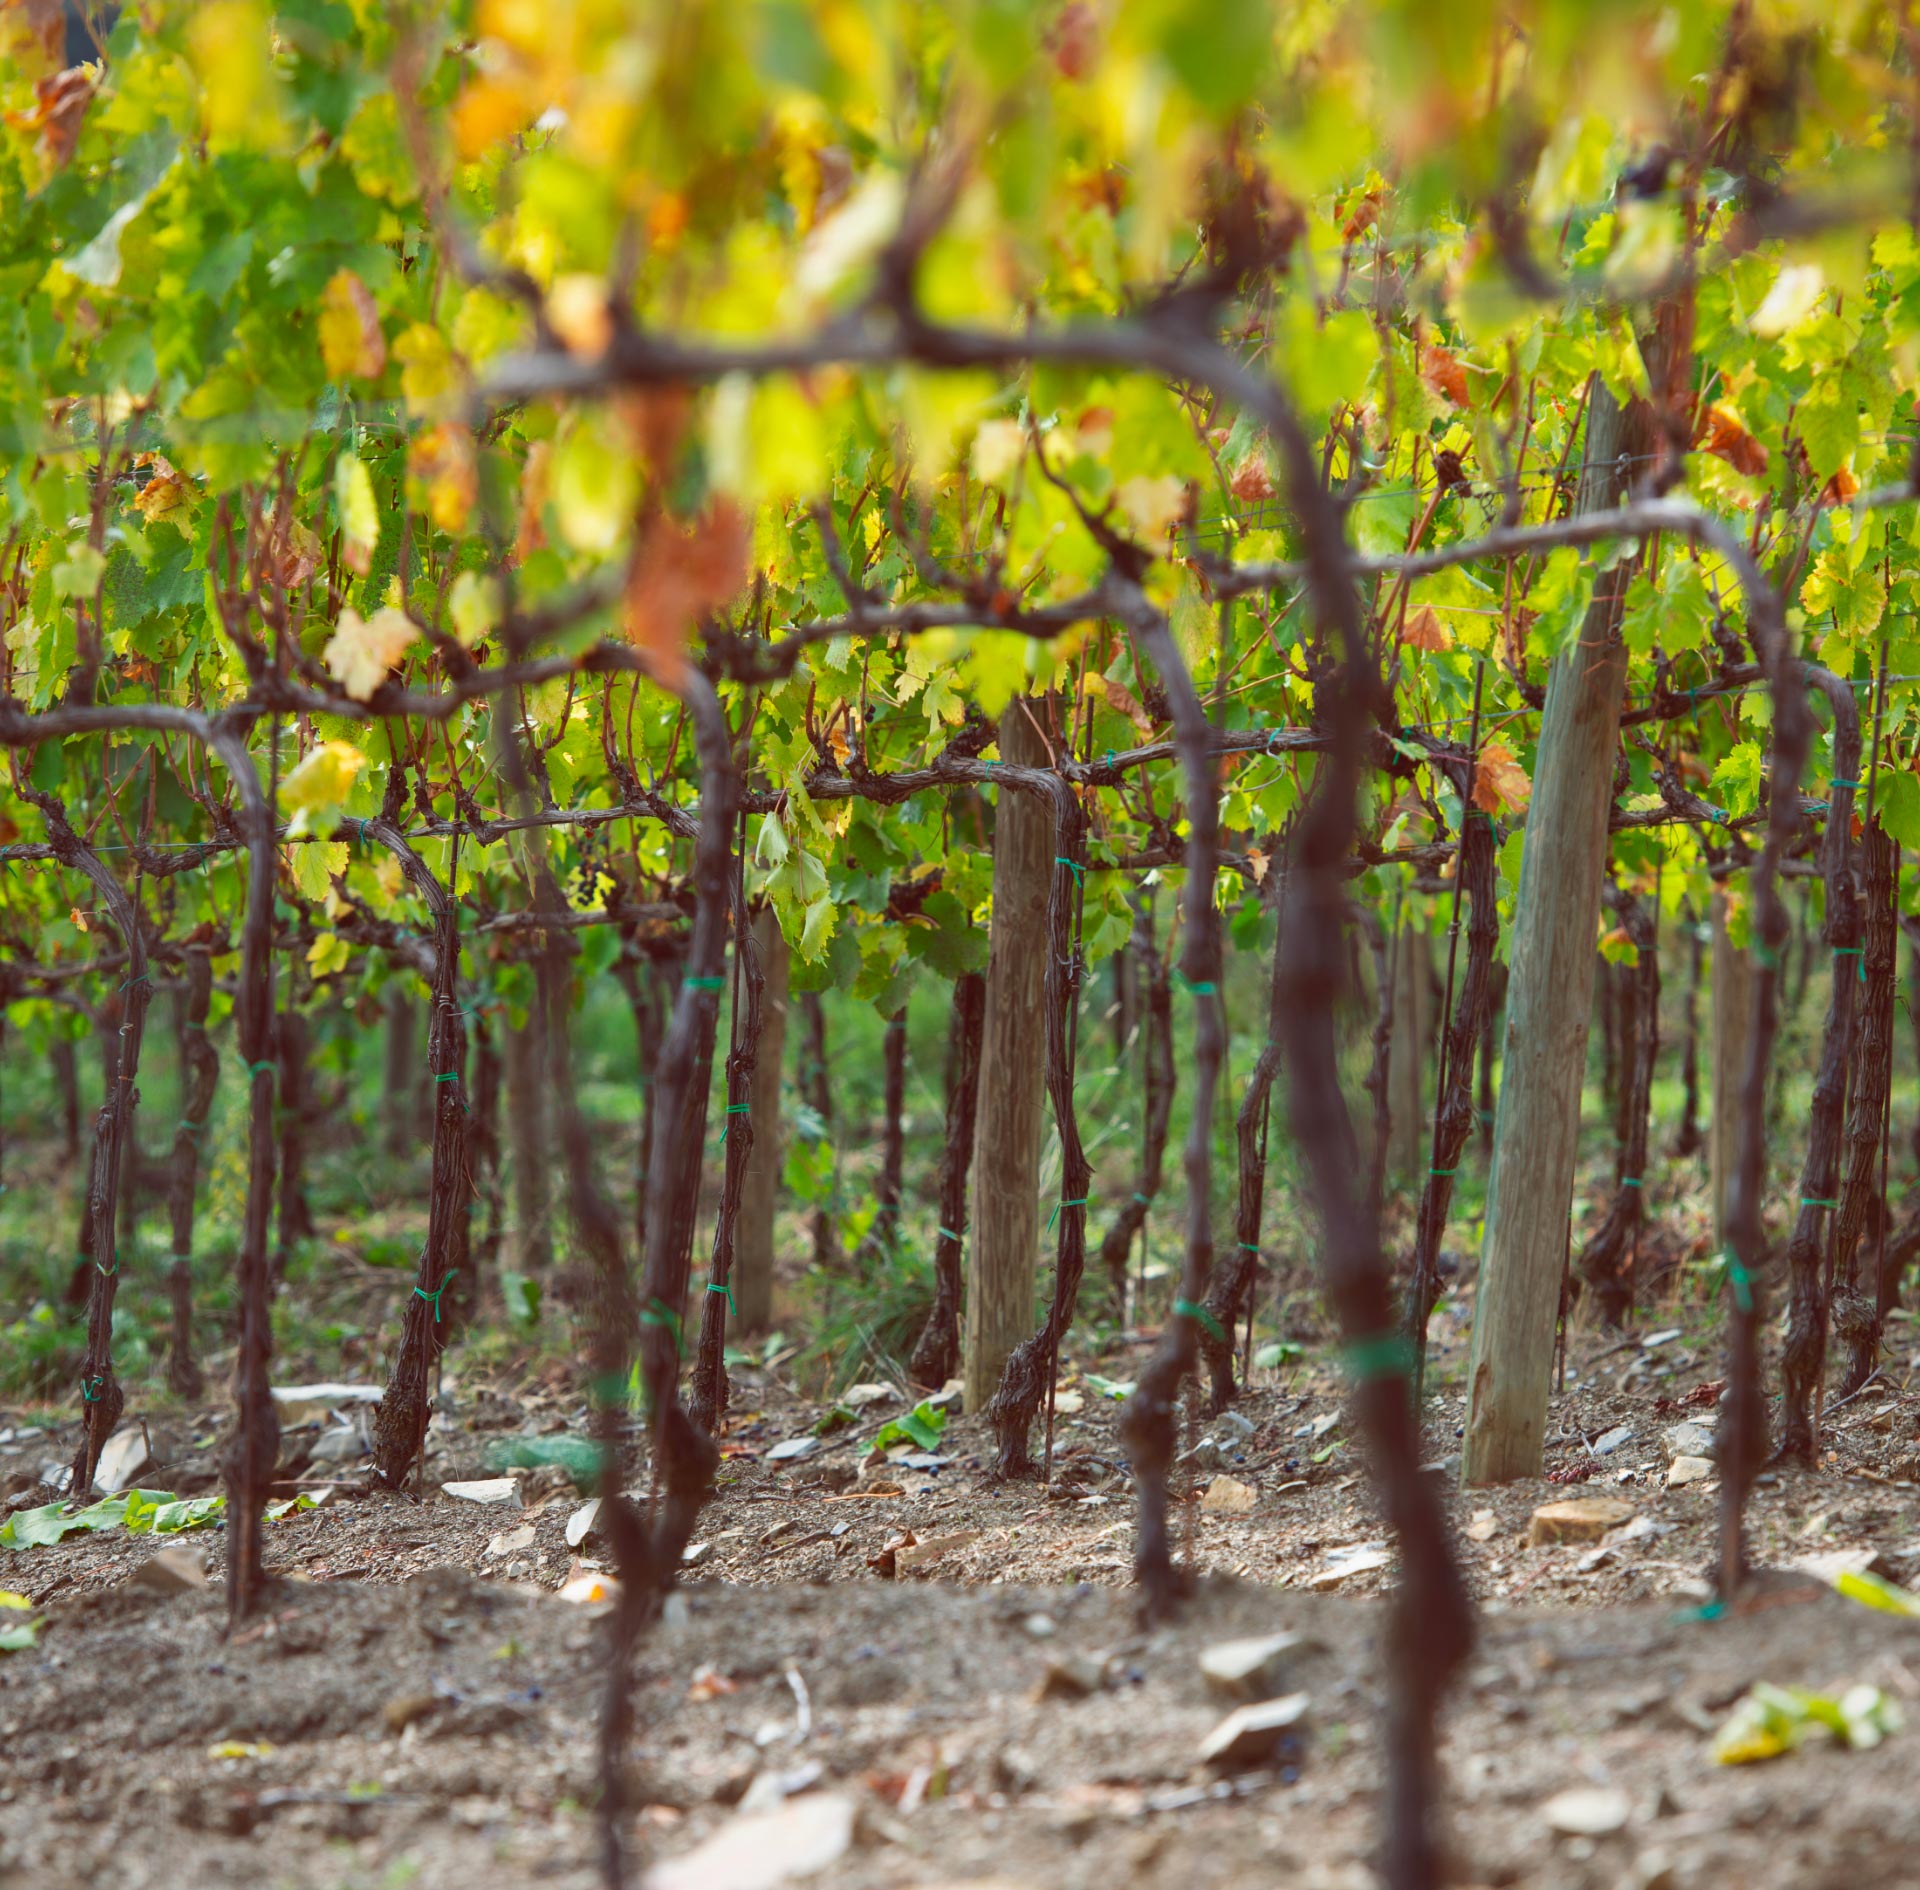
[
  {"x": 1830, "y": 1564},
  {"x": 1228, "y": 1496},
  {"x": 1587, "y": 1811},
  {"x": 489, "y": 1490},
  {"x": 1038, "y": 1627},
  {"x": 510, "y": 1542},
  {"x": 1251, "y": 1733},
  {"x": 1237, "y": 1425},
  {"x": 858, "y": 1397},
  {"x": 1248, "y": 1669},
  {"x": 589, "y": 1588},
  {"x": 580, "y": 1523},
  {"x": 1684, "y": 1470},
  {"x": 405, "y": 1709},
  {"x": 791, "y": 1449},
  {"x": 312, "y": 1404},
  {"x": 1610, "y": 1441},
  {"x": 1071, "y": 1677},
  {"x": 1691, "y": 1439},
  {"x": 887, "y": 1563},
  {"x": 760, "y": 1850},
  {"x": 775, "y": 1788},
  {"x": 122, "y": 1458},
  {"x": 344, "y": 1445},
  {"x": 1480, "y": 1526},
  {"x": 1577, "y": 1519},
  {"x": 1359, "y": 1558},
  {"x": 178, "y": 1570},
  {"x": 697, "y": 1552}
]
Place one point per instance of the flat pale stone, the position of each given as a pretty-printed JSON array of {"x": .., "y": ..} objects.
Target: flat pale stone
[
  {"x": 510, "y": 1542},
  {"x": 931, "y": 1549},
  {"x": 1684, "y": 1470},
  {"x": 762, "y": 1850},
  {"x": 1250, "y": 1733},
  {"x": 1577, "y": 1519},
  {"x": 178, "y": 1570},
  {"x": 1248, "y": 1669},
  {"x": 487, "y": 1490},
  {"x": 1588, "y": 1811},
  {"x": 122, "y": 1458},
  {"x": 580, "y": 1523},
  {"x": 1228, "y": 1496}
]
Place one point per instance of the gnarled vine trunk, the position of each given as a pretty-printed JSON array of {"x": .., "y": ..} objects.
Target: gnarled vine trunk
[
  {"x": 199, "y": 1073},
  {"x": 936, "y": 1356}
]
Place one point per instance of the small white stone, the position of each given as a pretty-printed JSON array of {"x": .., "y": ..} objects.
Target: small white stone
[{"x": 1587, "y": 1811}]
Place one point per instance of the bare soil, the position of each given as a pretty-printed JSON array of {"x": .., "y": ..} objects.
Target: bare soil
[{"x": 418, "y": 1710}]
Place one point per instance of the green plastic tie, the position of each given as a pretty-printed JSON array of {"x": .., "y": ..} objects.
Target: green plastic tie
[
  {"x": 1058, "y": 1205},
  {"x": 734, "y": 1109},
  {"x": 1740, "y": 1280},
  {"x": 1837, "y": 782},
  {"x": 726, "y": 1292},
  {"x": 1631, "y": 1181},
  {"x": 1765, "y": 955},
  {"x": 1073, "y": 866},
  {"x": 1379, "y": 1355},
  {"x": 1854, "y": 951},
  {"x": 657, "y": 1312},
  {"x": 705, "y": 984},
  {"x": 1707, "y": 1611},
  {"x": 107, "y": 1273},
  {"x": 191, "y": 1128},
  {"x": 446, "y": 1076},
  {"x": 1814, "y": 1200},
  {"x": 433, "y": 1298},
  {"x": 949, "y": 1234},
  {"x": 1192, "y": 1309},
  {"x": 254, "y": 1069},
  {"x": 363, "y": 831},
  {"x": 1201, "y": 989},
  {"x": 99, "y": 1385},
  {"x": 1145, "y": 1200},
  {"x": 1448, "y": 1172},
  {"x": 1249, "y": 1246},
  {"x": 130, "y": 982}
]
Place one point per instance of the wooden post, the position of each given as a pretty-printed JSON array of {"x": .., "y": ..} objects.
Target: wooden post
[
  {"x": 1006, "y": 1162},
  {"x": 1549, "y": 997},
  {"x": 753, "y": 1232},
  {"x": 1732, "y": 1027}
]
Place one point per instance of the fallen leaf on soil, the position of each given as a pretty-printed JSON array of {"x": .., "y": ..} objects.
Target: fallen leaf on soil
[
  {"x": 1360, "y": 1559},
  {"x": 124, "y": 1457},
  {"x": 885, "y": 1564},
  {"x": 709, "y": 1683},
  {"x": 1578, "y": 1519},
  {"x": 239, "y": 1749},
  {"x": 918, "y": 1554},
  {"x": 1481, "y": 1527},
  {"x": 1228, "y": 1496},
  {"x": 1772, "y": 1720},
  {"x": 760, "y": 1850},
  {"x": 1872, "y": 1591},
  {"x": 404, "y": 1709},
  {"x": 1248, "y": 1669},
  {"x": 580, "y": 1523}
]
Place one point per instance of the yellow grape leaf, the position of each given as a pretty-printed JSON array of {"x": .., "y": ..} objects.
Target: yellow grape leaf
[
  {"x": 1872, "y": 1591},
  {"x": 318, "y": 788},
  {"x": 362, "y": 649},
  {"x": 1796, "y": 293},
  {"x": 427, "y": 376},
  {"x": 231, "y": 45},
  {"x": 474, "y": 603},
  {"x": 1152, "y": 507},
  {"x": 359, "y": 513},
  {"x": 1499, "y": 781},
  {"x": 1422, "y": 630},
  {"x": 997, "y": 449},
  {"x": 314, "y": 866},
  {"x": 166, "y": 492},
  {"x": 351, "y": 343},
  {"x": 579, "y": 313},
  {"x": 239, "y": 1749},
  {"x": 328, "y": 953},
  {"x": 8, "y": 1599},
  {"x": 443, "y": 475}
]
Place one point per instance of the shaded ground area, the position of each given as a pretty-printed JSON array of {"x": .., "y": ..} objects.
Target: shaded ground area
[{"x": 947, "y": 1677}]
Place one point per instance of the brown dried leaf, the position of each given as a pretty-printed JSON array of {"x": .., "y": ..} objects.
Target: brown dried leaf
[
  {"x": 1725, "y": 436},
  {"x": 1252, "y": 479},
  {"x": 60, "y": 104},
  {"x": 167, "y": 490},
  {"x": 679, "y": 576},
  {"x": 1499, "y": 781},
  {"x": 1123, "y": 702},
  {"x": 1445, "y": 374},
  {"x": 1423, "y": 630}
]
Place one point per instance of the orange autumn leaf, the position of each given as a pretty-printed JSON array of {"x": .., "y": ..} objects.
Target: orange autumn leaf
[
  {"x": 1423, "y": 630},
  {"x": 1444, "y": 373},
  {"x": 1726, "y": 437},
  {"x": 679, "y": 575},
  {"x": 1840, "y": 489},
  {"x": 59, "y": 109},
  {"x": 443, "y": 475},
  {"x": 1123, "y": 702},
  {"x": 1499, "y": 782},
  {"x": 1252, "y": 479},
  {"x": 166, "y": 490}
]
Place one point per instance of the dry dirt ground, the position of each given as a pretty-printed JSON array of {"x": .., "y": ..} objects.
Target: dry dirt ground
[{"x": 981, "y": 1707}]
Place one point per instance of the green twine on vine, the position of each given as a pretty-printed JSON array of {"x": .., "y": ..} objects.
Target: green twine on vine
[
  {"x": 142, "y": 979},
  {"x": 446, "y": 1076},
  {"x": 99, "y": 1384},
  {"x": 949, "y": 1234},
  {"x": 734, "y": 1109},
  {"x": 254, "y": 1069},
  {"x": 1200, "y": 988},
  {"x": 107, "y": 1273},
  {"x": 1740, "y": 1280},
  {"x": 1854, "y": 951},
  {"x": 1631, "y": 1181},
  {"x": 1814, "y": 1200},
  {"x": 1058, "y": 1205},
  {"x": 1074, "y": 867},
  {"x": 433, "y": 1298},
  {"x": 657, "y": 1312},
  {"x": 705, "y": 984},
  {"x": 1837, "y": 782},
  {"x": 725, "y": 1290},
  {"x": 1145, "y": 1200},
  {"x": 1249, "y": 1246},
  {"x": 1192, "y": 1309},
  {"x": 1445, "y": 1173},
  {"x": 1379, "y": 1355}
]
